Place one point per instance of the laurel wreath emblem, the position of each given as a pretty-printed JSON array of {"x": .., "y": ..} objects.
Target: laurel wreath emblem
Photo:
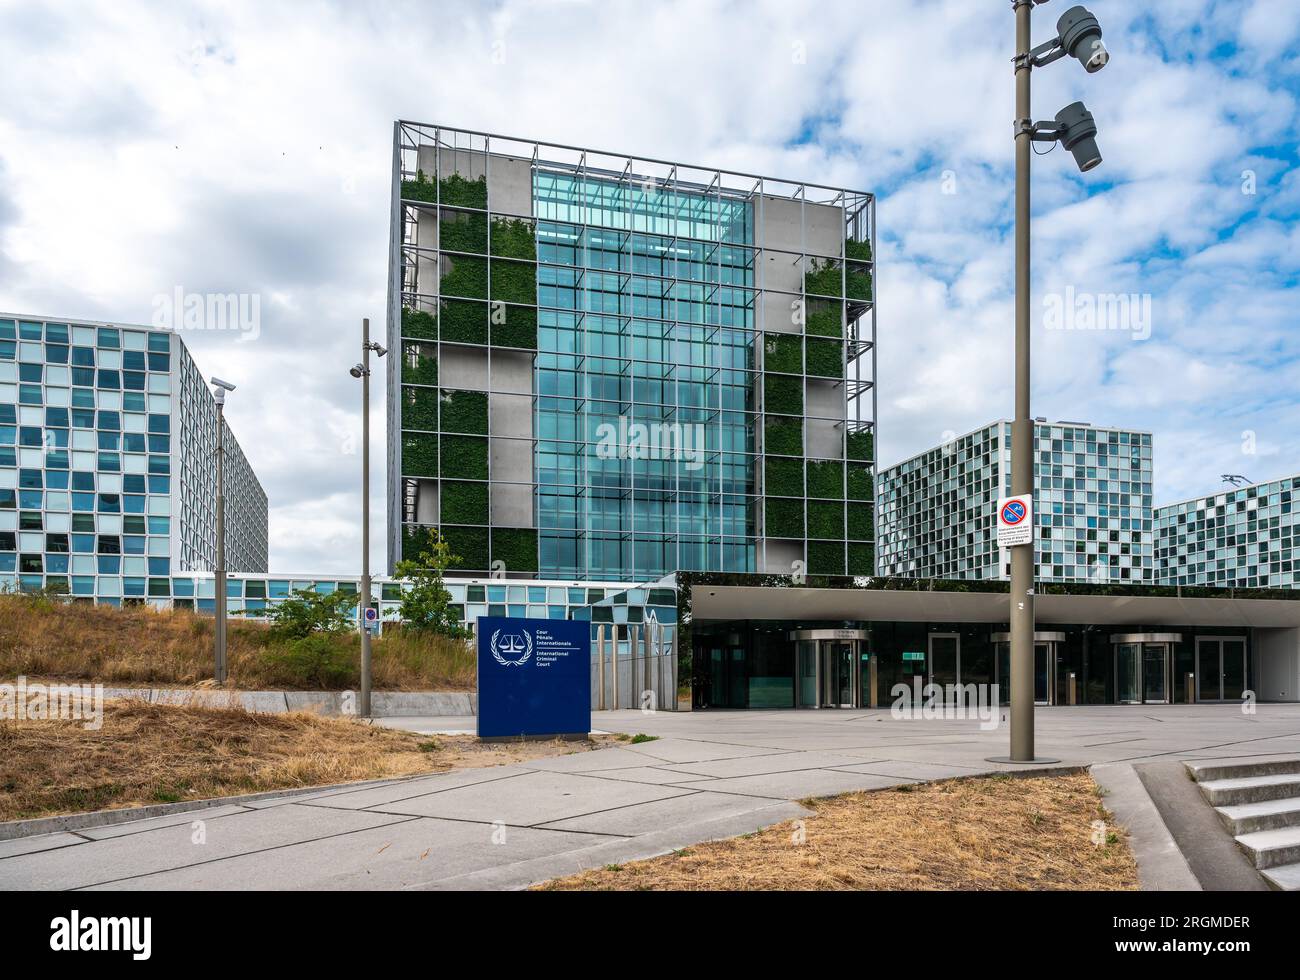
[{"x": 528, "y": 651}]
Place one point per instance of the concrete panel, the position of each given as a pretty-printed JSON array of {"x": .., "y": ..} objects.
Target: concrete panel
[
  {"x": 778, "y": 312},
  {"x": 510, "y": 415},
  {"x": 781, "y": 270},
  {"x": 782, "y": 555},
  {"x": 466, "y": 366},
  {"x": 426, "y": 502},
  {"x": 823, "y": 439},
  {"x": 825, "y": 399},
  {"x": 510, "y": 185},
  {"x": 793, "y": 226},
  {"x": 470, "y": 164},
  {"x": 512, "y": 371},
  {"x": 510, "y": 460},
  {"x": 824, "y": 229},
  {"x": 1278, "y": 664},
  {"x": 511, "y": 506}
]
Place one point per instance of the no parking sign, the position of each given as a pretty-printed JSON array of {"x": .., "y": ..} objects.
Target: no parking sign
[{"x": 1015, "y": 521}]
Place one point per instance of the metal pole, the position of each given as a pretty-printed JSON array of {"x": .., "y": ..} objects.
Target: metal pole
[
  {"x": 365, "y": 518},
  {"x": 600, "y": 665},
  {"x": 1022, "y": 428},
  {"x": 220, "y": 631}
]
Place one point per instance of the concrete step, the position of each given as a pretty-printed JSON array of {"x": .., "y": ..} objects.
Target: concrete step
[
  {"x": 1272, "y": 848},
  {"x": 1247, "y": 818},
  {"x": 1250, "y": 789},
  {"x": 1241, "y": 767},
  {"x": 1285, "y": 877}
]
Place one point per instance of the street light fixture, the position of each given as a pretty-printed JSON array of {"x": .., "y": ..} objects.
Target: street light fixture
[
  {"x": 1078, "y": 35},
  {"x": 361, "y": 371},
  {"x": 219, "y": 389}
]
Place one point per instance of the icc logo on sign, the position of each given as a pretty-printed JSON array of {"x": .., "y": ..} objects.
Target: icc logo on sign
[{"x": 519, "y": 645}]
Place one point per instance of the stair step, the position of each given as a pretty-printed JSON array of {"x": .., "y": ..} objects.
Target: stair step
[
  {"x": 1247, "y": 818},
  {"x": 1251, "y": 789},
  {"x": 1285, "y": 877},
  {"x": 1242, "y": 766},
  {"x": 1272, "y": 848}
]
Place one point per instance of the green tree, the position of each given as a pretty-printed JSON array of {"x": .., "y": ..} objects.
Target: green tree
[
  {"x": 426, "y": 605},
  {"x": 306, "y": 612}
]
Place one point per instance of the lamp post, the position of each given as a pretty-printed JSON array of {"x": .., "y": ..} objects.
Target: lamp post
[
  {"x": 1078, "y": 35},
  {"x": 219, "y": 389},
  {"x": 362, "y": 371}
]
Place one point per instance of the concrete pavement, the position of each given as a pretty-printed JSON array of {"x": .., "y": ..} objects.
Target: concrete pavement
[{"x": 708, "y": 774}]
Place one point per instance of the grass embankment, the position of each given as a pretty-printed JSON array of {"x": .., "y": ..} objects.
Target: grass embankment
[
  {"x": 980, "y": 834},
  {"x": 148, "y": 753},
  {"x": 44, "y": 638}
]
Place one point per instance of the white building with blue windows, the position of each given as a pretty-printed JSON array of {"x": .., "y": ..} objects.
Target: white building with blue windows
[{"x": 108, "y": 465}]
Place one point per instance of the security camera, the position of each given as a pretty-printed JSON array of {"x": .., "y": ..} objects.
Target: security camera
[
  {"x": 356, "y": 371},
  {"x": 1079, "y": 35},
  {"x": 222, "y": 384},
  {"x": 1077, "y": 132}
]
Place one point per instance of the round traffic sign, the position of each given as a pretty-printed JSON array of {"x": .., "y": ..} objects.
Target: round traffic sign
[
  {"x": 1013, "y": 513},
  {"x": 371, "y": 614}
]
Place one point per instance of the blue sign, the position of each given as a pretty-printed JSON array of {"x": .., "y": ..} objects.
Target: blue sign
[
  {"x": 1013, "y": 513},
  {"x": 534, "y": 677}
]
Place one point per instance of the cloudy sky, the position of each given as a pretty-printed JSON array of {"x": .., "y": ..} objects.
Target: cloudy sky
[{"x": 245, "y": 147}]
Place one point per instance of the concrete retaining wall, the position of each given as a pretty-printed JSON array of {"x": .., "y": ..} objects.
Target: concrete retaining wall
[{"x": 384, "y": 704}]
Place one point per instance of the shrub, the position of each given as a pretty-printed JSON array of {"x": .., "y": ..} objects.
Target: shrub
[
  {"x": 420, "y": 189},
  {"x": 857, "y": 284},
  {"x": 860, "y": 482},
  {"x": 419, "y": 364},
  {"x": 465, "y": 276},
  {"x": 464, "y": 411},
  {"x": 463, "y": 503},
  {"x": 862, "y": 558},
  {"x": 782, "y": 477},
  {"x": 861, "y": 523},
  {"x": 464, "y": 458},
  {"x": 825, "y": 319},
  {"x": 514, "y": 282},
  {"x": 860, "y": 445},
  {"x": 823, "y": 278},
  {"x": 515, "y": 548},
  {"x": 464, "y": 322},
  {"x": 514, "y": 238},
  {"x": 783, "y": 518},
  {"x": 826, "y": 519},
  {"x": 462, "y": 231},
  {"x": 826, "y": 478},
  {"x": 461, "y": 192},
  {"x": 783, "y": 436},
  {"x": 305, "y": 612},
  {"x": 826, "y": 557},
  {"x": 824, "y": 358},
  {"x": 781, "y": 353},
  {"x": 859, "y": 251},
  {"x": 514, "y": 326},
  {"x": 783, "y": 395},
  {"x": 418, "y": 323},
  {"x": 426, "y": 606},
  {"x": 419, "y": 408},
  {"x": 315, "y": 661},
  {"x": 415, "y": 540},
  {"x": 471, "y": 543},
  {"x": 419, "y": 454}
]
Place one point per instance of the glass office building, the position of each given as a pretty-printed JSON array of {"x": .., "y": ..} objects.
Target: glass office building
[
  {"x": 1092, "y": 494},
  {"x": 1242, "y": 538},
  {"x": 108, "y": 466},
  {"x": 612, "y": 368}
]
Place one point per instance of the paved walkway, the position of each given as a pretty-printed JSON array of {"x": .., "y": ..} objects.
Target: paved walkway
[{"x": 709, "y": 774}]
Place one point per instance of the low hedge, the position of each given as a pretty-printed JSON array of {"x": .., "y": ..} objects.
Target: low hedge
[
  {"x": 860, "y": 251},
  {"x": 826, "y": 557},
  {"x": 464, "y": 411},
  {"x": 465, "y": 276},
  {"x": 781, "y": 353},
  {"x": 857, "y": 285},
  {"x": 464, "y": 322},
  {"x": 860, "y": 482},
  {"x": 514, "y": 238},
  {"x": 419, "y": 364},
  {"x": 861, "y": 526},
  {"x": 464, "y": 457},
  {"x": 462, "y": 192},
  {"x": 463, "y": 503},
  {"x": 463, "y": 231},
  {"x": 419, "y": 454},
  {"x": 825, "y": 358},
  {"x": 782, "y": 477},
  {"x": 826, "y": 478},
  {"x": 783, "y": 395},
  {"x": 783, "y": 436},
  {"x": 514, "y": 326},
  {"x": 783, "y": 517},
  {"x": 419, "y": 408},
  {"x": 825, "y": 319},
  {"x": 516, "y": 548},
  {"x": 420, "y": 189},
  {"x": 514, "y": 282},
  {"x": 826, "y": 519},
  {"x": 418, "y": 323},
  {"x": 823, "y": 278}
]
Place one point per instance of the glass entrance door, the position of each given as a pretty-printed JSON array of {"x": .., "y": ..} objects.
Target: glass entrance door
[
  {"x": 1144, "y": 668},
  {"x": 1044, "y": 662},
  {"x": 1128, "y": 673},
  {"x": 806, "y": 678},
  {"x": 1155, "y": 673},
  {"x": 1220, "y": 668},
  {"x": 945, "y": 660},
  {"x": 837, "y": 673}
]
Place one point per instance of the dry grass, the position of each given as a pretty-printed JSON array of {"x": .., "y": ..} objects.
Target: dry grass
[
  {"x": 997, "y": 833},
  {"x": 138, "y": 645},
  {"x": 164, "y": 754}
]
